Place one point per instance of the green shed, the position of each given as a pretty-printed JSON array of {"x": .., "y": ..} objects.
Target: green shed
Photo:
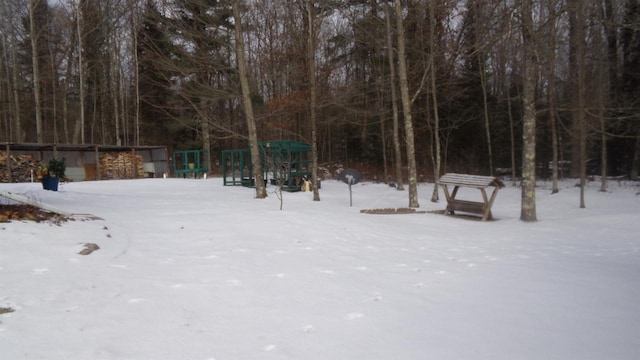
[{"x": 285, "y": 163}]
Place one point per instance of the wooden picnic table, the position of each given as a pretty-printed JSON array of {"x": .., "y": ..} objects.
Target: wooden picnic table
[{"x": 481, "y": 183}]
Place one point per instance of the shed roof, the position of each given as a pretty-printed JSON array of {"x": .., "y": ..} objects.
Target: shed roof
[
  {"x": 286, "y": 145},
  {"x": 72, "y": 147}
]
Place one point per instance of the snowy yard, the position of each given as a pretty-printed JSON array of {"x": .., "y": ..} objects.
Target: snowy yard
[{"x": 190, "y": 269}]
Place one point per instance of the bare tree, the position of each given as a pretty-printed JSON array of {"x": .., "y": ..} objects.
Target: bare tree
[
  {"x": 406, "y": 108},
  {"x": 311, "y": 61},
  {"x": 528, "y": 205},
  {"x": 78, "y": 132},
  {"x": 577, "y": 40},
  {"x": 394, "y": 99},
  {"x": 69, "y": 66},
  {"x": 35, "y": 58},
  {"x": 434, "y": 99},
  {"x": 256, "y": 161},
  {"x": 485, "y": 108},
  {"x": 551, "y": 89}
]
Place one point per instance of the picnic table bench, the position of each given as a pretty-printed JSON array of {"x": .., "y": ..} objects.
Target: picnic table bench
[{"x": 470, "y": 181}]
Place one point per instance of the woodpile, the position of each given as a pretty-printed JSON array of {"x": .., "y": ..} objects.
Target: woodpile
[
  {"x": 21, "y": 167},
  {"x": 121, "y": 165},
  {"x": 113, "y": 166}
]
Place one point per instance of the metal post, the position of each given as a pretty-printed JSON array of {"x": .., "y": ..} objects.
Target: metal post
[{"x": 350, "y": 182}]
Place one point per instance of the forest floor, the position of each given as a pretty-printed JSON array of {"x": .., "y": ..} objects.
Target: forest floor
[{"x": 27, "y": 212}]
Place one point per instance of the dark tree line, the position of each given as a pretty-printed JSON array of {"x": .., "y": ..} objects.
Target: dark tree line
[{"x": 327, "y": 72}]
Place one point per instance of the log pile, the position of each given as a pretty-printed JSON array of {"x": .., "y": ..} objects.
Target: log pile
[
  {"x": 21, "y": 167},
  {"x": 120, "y": 165},
  {"x": 113, "y": 166}
]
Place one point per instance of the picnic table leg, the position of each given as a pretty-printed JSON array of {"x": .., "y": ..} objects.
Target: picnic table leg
[
  {"x": 446, "y": 195},
  {"x": 454, "y": 192},
  {"x": 486, "y": 213},
  {"x": 446, "y": 192},
  {"x": 493, "y": 197},
  {"x": 450, "y": 197}
]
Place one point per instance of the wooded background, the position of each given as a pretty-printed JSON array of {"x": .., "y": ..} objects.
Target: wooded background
[{"x": 329, "y": 72}]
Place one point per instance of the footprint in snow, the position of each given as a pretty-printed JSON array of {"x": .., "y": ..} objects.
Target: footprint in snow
[
  {"x": 354, "y": 316},
  {"x": 270, "y": 347},
  {"x": 307, "y": 328}
]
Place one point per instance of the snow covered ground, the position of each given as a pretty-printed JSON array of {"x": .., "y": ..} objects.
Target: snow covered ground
[{"x": 190, "y": 269}]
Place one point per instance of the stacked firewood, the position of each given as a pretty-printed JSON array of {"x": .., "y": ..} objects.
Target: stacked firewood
[
  {"x": 120, "y": 165},
  {"x": 23, "y": 167}
]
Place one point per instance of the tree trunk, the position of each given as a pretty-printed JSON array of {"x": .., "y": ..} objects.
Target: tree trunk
[
  {"x": 614, "y": 83},
  {"x": 136, "y": 74},
  {"x": 394, "y": 101},
  {"x": 114, "y": 83},
  {"x": 256, "y": 161},
  {"x": 383, "y": 129},
  {"x": 406, "y": 108},
  {"x": 16, "y": 133},
  {"x": 512, "y": 135},
  {"x": 311, "y": 54},
  {"x": 528, "y": 205},
  {"x": 551, "y": 96},
  {"x": 578, "y": 39},
  {"x": 78, "y": 133},
  {"x": 485, "y": 107},
  {"x": 553, "y": 124},
  {"x": 35, "y": 59},
  {"x": 603, "y": 151},
  {"x": 434, "y": 99},
  {"x": 54, "y": 98},
  {"x": 66, "y": 87}
]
